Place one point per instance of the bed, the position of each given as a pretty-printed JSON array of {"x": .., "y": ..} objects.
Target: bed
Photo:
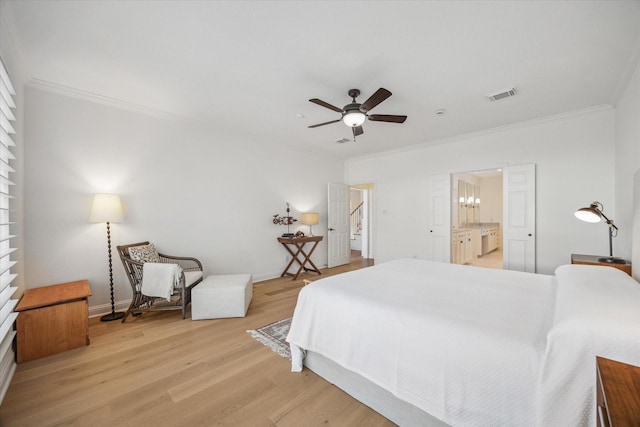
[{"x": 428, "y": 343}]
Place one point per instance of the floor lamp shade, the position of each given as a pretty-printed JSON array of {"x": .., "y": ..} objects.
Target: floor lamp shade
[
  {"x": 107, "y": 208},
  {"x": 310, "y": 219}
]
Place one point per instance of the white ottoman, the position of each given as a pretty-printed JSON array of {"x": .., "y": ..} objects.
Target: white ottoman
[{"x": 220, "y": 296}]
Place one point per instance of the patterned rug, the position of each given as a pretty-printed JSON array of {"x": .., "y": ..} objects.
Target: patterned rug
[{"x": 274, "y": 336}]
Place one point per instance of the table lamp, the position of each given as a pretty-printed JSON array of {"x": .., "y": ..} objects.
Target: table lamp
[
  {"x": 107, "y": 208},
  {"x": 310, "y": 219},
  {"x": 594, "y": 214}
]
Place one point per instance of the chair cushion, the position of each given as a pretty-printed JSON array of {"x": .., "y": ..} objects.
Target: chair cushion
[
  {"x": 191, "y": 276},
  {"x": 144, "y": 253}
]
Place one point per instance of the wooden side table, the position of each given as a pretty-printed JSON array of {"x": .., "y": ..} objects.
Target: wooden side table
[
  {"x": 593, "y": 260},
  {"x": 52, "y": 319},
  {"x": 618, "y": 393},
  {"x": 298, "y": 243}
]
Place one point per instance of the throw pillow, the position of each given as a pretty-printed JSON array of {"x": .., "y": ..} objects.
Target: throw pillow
[{"x": 144, "y": 253}]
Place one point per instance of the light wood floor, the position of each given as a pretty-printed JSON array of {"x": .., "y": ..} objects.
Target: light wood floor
[
  {"x": 160, "y": 370},
  {"x": 490, "y": 260}
]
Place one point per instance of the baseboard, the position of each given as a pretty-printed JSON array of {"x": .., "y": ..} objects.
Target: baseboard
[{"x": 99, "y": 310}]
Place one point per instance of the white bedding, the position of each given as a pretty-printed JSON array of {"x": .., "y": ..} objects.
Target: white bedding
[{"x": 465, "y": 344}]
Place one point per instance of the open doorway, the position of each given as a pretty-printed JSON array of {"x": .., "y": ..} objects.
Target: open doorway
[
  {"x": 477, "y": 218},
  {"x": 360, "y": 219}
]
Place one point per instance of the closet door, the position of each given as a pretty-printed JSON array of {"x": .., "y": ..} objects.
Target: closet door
[
  {"x": 519, "y": 216},
  {"x": 440, "y": 223}
]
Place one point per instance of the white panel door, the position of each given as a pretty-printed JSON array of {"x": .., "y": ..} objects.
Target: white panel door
[
  {"x": 519, "y": 216},
  {"x": 338, "y": 240},
  {"x": 440, "y": 227}
]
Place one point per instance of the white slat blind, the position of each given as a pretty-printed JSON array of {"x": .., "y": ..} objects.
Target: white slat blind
[{"x": 7, "y": 315}]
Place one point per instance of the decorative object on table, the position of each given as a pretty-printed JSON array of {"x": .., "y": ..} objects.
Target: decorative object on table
[
  {"x": 310, "y": 219},
  {"x": 285, "y": 220},
  {"x": 107, "y": 208},
  {"x": 594, "y": 214}
]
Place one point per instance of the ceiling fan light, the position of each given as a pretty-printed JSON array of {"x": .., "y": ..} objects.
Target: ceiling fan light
[{"x": 354, "y": 118}]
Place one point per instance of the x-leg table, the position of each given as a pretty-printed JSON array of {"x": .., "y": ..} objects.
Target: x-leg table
[{"x": 295, "y": 247}]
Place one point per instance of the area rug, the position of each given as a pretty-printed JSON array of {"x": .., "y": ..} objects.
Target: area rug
[{"x": 274, "y": 336}]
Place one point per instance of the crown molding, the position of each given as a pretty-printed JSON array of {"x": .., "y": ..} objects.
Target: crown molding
[
  {"x": 484, "y": 132},
  {"x": 97, "y": 98}
]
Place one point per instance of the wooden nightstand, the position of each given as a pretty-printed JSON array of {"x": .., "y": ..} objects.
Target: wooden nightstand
[
  {"x": 52, "y": 319},
  {"x": 618, "y": 393},
  {"x": 593, "y": 260}
]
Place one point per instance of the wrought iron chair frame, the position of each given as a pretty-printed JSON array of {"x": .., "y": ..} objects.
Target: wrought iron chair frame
[{"x": 141, "y": 303}]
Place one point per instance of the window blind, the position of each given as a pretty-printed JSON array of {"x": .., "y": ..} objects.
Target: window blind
[{"x": 7, "y": 315}]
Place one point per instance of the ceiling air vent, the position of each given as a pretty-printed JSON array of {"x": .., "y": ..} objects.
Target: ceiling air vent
[
  {"x": 343, "y": 140},
  {"x": 504, "y": 94}
]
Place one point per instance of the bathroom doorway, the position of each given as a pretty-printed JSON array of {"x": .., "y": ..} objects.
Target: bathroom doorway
[{"x": 477, "y": 218}]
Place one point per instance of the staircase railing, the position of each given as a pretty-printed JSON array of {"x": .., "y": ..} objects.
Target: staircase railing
[{"x": 356, "y": 219}]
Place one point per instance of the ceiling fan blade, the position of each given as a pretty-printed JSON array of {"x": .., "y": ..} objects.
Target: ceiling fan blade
[
  {"x": 325, "y": 123},
  {"x": 326, "y": 105},
  {"x": 387, "y": 118},
  {"x": 375, "y": 99},
  {"x": 357, "y": 131}
]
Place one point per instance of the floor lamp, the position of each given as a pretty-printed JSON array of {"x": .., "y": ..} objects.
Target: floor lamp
[{"x": 107, "y": 208}]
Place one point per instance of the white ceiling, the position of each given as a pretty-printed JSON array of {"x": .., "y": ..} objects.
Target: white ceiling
[{"x": 250, "y": 67}]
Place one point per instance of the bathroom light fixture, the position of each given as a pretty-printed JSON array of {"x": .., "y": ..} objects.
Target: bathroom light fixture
[{"x": 594, "y": 214}]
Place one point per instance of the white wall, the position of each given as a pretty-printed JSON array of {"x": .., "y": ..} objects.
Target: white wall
[
  {"x": 627, "y": 136},
  {"x": 574, "y": 157},
  {"x": 186, "y": 187}
]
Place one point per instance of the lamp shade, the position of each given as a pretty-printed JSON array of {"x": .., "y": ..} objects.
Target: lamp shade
[
  {"x": 106, "y": 208},
  {"x": 309, "y": 218},
  {"x": 353, "y": 118},
  {"x": 590, "y": 214}
]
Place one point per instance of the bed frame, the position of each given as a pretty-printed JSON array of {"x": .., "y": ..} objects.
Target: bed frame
[{"x": 372, "y": 395}]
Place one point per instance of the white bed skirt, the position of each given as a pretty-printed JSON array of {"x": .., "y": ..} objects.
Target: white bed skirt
[{"x": 375, "y": 397}]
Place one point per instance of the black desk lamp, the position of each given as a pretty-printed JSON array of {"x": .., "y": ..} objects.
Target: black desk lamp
[{"x": 594, "y": 214}]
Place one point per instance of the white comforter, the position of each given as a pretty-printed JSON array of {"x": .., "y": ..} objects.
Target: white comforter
[{"x": 467, "y": 345}]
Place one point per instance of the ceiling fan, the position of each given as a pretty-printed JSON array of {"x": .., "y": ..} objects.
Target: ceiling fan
[{"x": 354, "y": 114}]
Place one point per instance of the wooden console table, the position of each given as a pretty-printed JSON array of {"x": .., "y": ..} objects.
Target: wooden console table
[
  {"x": 593, "y": 260},
  {"x": 298, "y": 243},
  {"x": 52, "y": 319}
]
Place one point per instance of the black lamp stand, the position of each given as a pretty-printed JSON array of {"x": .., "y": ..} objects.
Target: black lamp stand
[
  {"x": 113, "y": 315},
  {"x": 611, "y": 259}
]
